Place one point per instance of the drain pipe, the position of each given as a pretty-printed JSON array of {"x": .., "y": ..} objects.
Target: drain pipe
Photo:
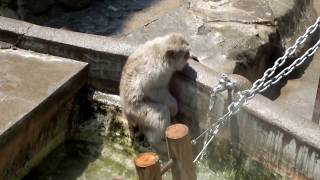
[{"x": 316, "y": 110}]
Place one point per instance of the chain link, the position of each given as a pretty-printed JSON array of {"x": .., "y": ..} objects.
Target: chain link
[{"x": 263, "y": 83}]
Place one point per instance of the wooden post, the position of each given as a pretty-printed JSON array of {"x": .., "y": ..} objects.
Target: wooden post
[
  {"x": 316, "y": 110},
  {"x": 180, "y": 151},
  {"x": 148, "y": 166}
]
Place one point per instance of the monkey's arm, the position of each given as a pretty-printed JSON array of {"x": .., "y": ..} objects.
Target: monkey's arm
[{"x": 164, "y": 97}]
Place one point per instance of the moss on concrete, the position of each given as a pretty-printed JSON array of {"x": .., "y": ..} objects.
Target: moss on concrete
[{"x": 224, "y": 159}]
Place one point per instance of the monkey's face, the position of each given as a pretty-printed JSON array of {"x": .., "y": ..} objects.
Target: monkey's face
[
  {"x": 182, "y": 58},
  {"x": 176, "y": 51},
  {"x": 178, "y": 59}
]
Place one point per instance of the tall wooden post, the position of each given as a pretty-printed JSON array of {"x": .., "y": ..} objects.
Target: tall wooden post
[
  {"x": 180, "y": 151},
  {"x": 148, "y": 166},
  {"x": 316, "y": 110}
]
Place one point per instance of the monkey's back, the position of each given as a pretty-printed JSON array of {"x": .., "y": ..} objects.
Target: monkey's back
[{"x": 143, "y": 68}]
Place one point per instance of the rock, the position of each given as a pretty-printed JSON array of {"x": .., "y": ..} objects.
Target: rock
[
  {"x": 75, "y": 4},
  {"x": 235, "y": 36},
  {"x": 241, "y": 11},
  {"x": 35, "y": 6},
  {"x": 232, "y": 44}
]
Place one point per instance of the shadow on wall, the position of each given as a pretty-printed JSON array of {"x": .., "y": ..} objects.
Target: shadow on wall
[{"x": 103, "y": 17}]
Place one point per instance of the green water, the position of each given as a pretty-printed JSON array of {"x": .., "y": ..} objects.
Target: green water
[{"x": 99, "y": 149}]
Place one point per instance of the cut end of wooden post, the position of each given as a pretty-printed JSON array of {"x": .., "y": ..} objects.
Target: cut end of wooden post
[
  {"x": 146, "y": 159},
  {"x": 177, "y": 131}
]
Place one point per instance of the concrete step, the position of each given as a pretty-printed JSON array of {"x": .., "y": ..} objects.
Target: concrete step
[{"x": 35, "y": 95}]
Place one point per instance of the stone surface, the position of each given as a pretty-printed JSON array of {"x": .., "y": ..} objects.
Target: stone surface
[
  {"x": 28, "y": 79},
  {"x": 102, "y": 17},
  {"x": 36, "y": 92},
  {"x": 75, "y": 4},
  {"x": 34, "y": 6},
  {"x": 230, "y": 43},
  {"x": 299, "y": 94},
  {"x": 113, "y": 17},
  {"x": 234, "y": 36},
  {"x": 242, "y": 11}
]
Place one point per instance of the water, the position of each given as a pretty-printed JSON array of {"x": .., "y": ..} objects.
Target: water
[
  {"x": 209, "y": 120},
  {"x": 100, "y": 149}
]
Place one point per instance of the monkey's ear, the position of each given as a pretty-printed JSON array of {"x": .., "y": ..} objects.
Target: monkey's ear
[{"x": 170, "y": 54}]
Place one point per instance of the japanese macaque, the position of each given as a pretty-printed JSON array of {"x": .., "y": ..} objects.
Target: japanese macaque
[{"x": 144, "y": 86}]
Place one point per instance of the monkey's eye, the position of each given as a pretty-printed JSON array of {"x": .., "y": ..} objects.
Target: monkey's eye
[{"x": 170, "y": 54}]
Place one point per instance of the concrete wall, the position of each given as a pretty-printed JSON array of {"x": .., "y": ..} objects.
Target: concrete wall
[
  {"x": 25, "y": 146},
  {"x": 29, "y": 140}
]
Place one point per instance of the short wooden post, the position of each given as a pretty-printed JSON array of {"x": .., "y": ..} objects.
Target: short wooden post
[
  {"x": 180, "y": 151},
  {"x": 148, "y": 166},
  {"x": 316, "y": 110}
]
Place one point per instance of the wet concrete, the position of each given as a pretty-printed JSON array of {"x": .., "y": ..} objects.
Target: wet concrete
[{"x": 34, "y": 88}]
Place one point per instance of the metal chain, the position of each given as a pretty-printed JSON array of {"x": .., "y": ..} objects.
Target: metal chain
[
  {"x": 224, "y": 84},
  {"x": 261, "y": 84}
]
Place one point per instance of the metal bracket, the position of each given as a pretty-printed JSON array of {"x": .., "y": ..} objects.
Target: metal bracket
[{"x": 224, "y": 84}]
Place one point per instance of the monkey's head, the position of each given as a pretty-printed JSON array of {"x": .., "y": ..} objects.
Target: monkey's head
[{"x": 176, "y": 51}]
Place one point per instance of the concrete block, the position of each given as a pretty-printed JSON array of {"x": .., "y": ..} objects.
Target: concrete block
[{"x": 34, "y": 88}]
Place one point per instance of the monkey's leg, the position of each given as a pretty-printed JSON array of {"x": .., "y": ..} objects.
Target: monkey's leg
[
  {"x": 171, "y": 102},
  {"x": 156, "y": 120}
]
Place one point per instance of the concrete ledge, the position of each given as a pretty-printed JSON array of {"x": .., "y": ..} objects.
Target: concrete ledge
[
  {"x": 284, "y": 141},
  {"x": 35, "y": 95},
  {"x": 105, "y": 55}
]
